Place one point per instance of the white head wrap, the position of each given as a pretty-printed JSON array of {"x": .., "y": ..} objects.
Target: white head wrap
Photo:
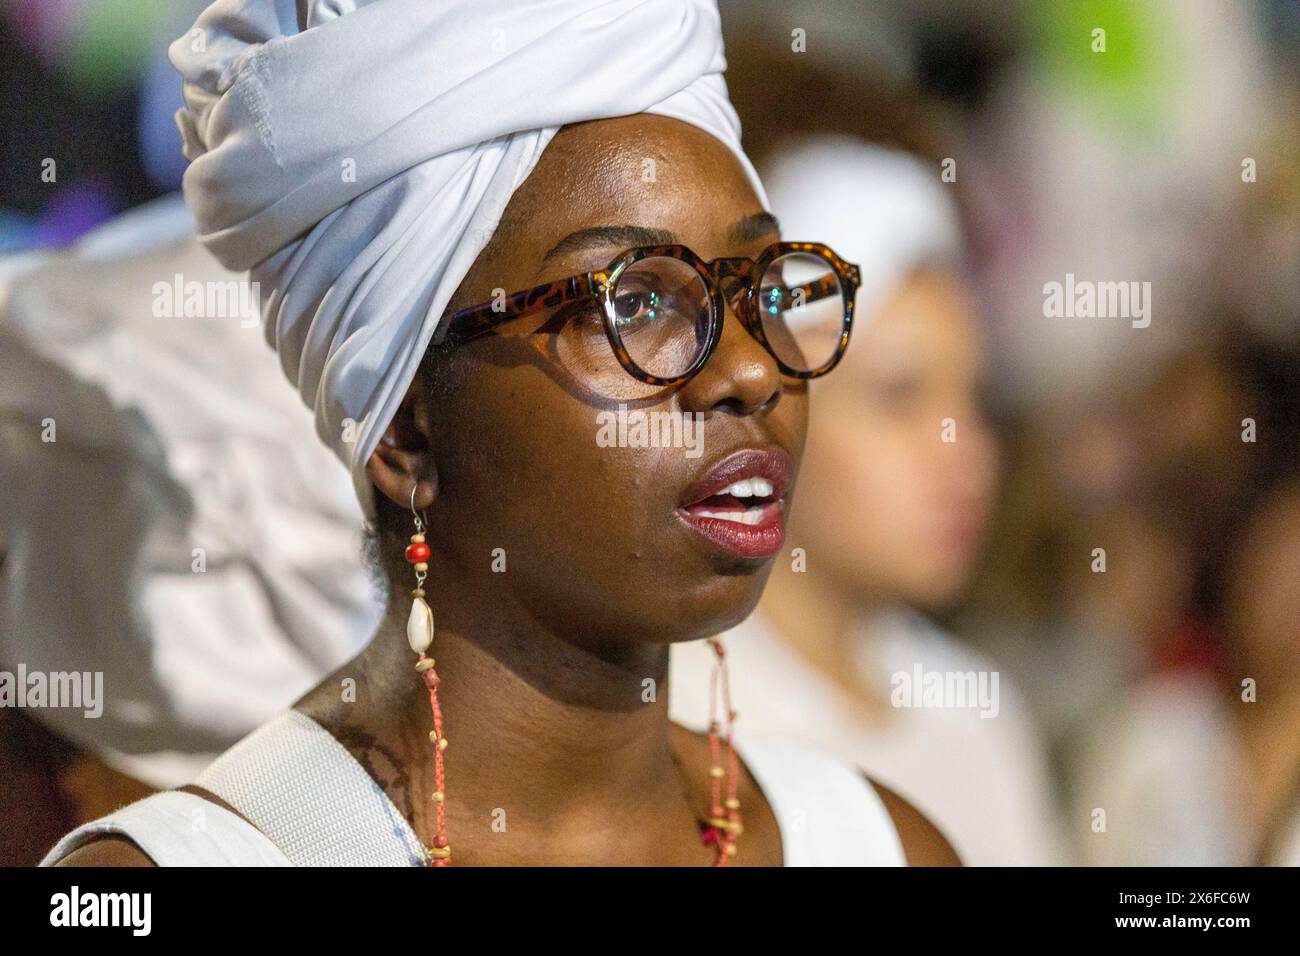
[
  {"x": 884, "y": 209},
  {"x": 358, "y": 163}
]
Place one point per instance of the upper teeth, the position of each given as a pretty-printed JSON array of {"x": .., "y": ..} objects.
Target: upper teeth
[
  {"x": 749, "y": 488},
  {"x": 746, "y": 488}
]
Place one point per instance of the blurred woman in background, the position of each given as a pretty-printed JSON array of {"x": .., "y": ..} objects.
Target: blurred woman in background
[{"x": 903, "y": 470}]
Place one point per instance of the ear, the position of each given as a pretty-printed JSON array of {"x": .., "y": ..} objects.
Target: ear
[{"x": 404, "y": 456}]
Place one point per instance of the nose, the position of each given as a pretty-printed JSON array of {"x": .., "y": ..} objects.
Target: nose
[{"x": 740, "y": 377}]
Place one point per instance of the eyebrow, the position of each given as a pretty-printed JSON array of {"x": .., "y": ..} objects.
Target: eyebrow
[{"x": 745, "y": 231}]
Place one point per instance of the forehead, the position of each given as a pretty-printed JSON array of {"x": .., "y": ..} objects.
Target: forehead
[{"x": 642, "y": 170}]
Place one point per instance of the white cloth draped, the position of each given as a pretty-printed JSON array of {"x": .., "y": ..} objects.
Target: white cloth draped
[
  {"x": 175, "y": 438},
  {"x": 358, "y": 162}
]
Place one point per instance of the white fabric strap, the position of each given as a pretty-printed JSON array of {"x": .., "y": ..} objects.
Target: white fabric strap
[
  {"x": 175, "y": 828},
  {"x": 297, "y": 784},
  {"x": 311, "y": 803},
  {"x": 828, "y": 813}
]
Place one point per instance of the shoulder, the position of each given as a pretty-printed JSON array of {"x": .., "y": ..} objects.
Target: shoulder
[
  {"x": 118, "y": 848},
  {"x": 169, "y": 828},
  {"x": 108, "y": 850},
  {"x": 923, "y": 844}
]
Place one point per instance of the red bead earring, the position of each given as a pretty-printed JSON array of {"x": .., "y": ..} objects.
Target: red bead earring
[{"x": 419, "y": 634}]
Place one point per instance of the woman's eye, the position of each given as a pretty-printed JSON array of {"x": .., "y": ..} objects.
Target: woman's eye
[{"x": 634, "y": 308}]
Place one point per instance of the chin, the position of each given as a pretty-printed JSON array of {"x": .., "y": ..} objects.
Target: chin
[
  {"x": 934, "y": 589},
  {"x": 715, "y": 606}
]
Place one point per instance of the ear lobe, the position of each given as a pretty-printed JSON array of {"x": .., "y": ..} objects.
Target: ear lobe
[{"x": 404, "y": 457}]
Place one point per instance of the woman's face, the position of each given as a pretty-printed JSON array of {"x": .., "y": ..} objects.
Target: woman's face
[
  {"x": 607, "y": 543},
  {"x": 892, "y": 509}
]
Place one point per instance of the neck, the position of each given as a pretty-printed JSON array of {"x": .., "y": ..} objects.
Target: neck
[
  {"x": 821, "y": 621},
  {"x": 546, "y": 736}
]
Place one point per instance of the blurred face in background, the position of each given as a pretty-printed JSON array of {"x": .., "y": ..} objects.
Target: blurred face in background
[{"x": 894, "y": 511}]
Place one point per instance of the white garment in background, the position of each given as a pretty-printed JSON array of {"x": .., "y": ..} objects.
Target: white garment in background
[
  {"x": 185, "y": 533},
  {"x": 313, "y": 804},
  {"x": 1161, "y": 763},
  {"x": 982, "y": 781}
]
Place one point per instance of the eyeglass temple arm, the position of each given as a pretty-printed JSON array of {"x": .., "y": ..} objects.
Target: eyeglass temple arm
[
  {"x": 477, "y": 321},
  {"x": 822, "y": 288}
]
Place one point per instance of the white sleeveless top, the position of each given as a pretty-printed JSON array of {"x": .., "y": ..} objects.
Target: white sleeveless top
[{"x": 311, "y": 803}]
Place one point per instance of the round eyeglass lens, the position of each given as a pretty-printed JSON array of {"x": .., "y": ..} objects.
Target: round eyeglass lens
[
  {"x": 660, "y": 312},
  {"x": 801, "y": 305}
]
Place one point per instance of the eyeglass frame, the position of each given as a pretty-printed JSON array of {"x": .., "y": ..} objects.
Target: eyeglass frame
[{"x": 473, "y": 322}]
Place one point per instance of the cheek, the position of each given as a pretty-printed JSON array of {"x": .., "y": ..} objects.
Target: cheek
[
  {"x": 525, "y": 473},
  {"x": 589, "y": 532}
]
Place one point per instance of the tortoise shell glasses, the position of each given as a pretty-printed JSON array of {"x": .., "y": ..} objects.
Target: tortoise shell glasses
[{"x": 662, "y": 308}]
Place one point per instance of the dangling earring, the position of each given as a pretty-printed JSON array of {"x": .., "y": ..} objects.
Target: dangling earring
[
  {"x": 724, "y": 825},
  {"x": 419, "y": 633}
]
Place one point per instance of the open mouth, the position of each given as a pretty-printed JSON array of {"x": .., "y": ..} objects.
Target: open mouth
[
  {"x": 739, "y": 504},
  {"x": 744, "y": 502}
]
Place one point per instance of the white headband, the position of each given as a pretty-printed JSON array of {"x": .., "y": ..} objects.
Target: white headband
[
  {"x": 359, "y": 164},
  {"x": 884, "y": 209}
]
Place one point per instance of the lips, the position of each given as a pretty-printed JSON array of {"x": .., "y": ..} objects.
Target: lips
[{"x": 739, "y": 504}]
